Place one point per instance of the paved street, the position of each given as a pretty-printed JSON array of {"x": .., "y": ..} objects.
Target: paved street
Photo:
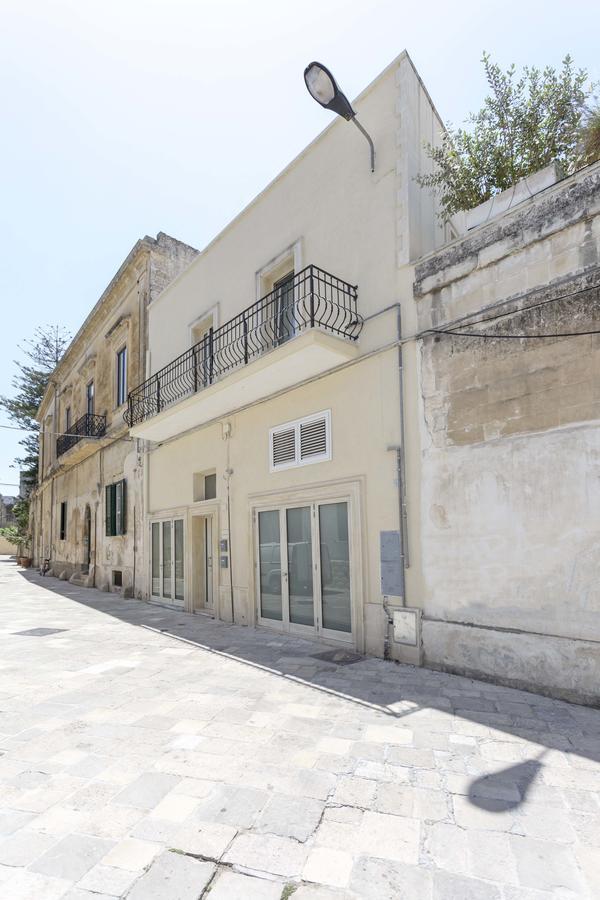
[{"x": 149, "y": 754}]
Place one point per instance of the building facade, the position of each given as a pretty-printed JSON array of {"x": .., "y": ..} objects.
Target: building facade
[
  {"x": 348, "y": 421},
  {"x": 86, "y": 514},
  {"x": 503, "y": 444},
  {"x": 271, "y": 412}
]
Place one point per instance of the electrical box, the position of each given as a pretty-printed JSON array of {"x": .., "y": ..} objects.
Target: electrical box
[{"x": 407, "y": 626}]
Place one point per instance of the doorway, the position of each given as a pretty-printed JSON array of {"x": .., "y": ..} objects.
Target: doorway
[
  {"x": 203, "y": 569},
  {"x": 304, "y": 572},
  {"x": 285, "y": 312}
]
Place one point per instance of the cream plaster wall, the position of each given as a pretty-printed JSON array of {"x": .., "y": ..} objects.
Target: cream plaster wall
[
  {"x": 328, "y": 209},
  {"x": 362, "y": 395},
  {"x": 343, "y": 218}
]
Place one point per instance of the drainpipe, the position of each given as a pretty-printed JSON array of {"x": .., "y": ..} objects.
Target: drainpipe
[
  {"x": 227, "y": 476},
  {"x": 401, "y": 482},
  {"x": 400, "y": 461}
]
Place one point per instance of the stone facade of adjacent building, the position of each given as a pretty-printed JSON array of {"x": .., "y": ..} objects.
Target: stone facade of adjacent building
[
  {"x": 505, "y": 506},
  {"x": 85, "y": 447}
]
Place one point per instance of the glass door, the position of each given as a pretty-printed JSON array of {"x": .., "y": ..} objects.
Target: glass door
[
  {"x": 167, "y": 561},
  {"x": 299, "y": 565},
  {"x": 285, "y": 312},
  {"x": 334, "y": 570},
  {"x": 303, "y": 564}
]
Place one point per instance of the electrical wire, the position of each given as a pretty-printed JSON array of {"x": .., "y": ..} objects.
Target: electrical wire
[
  {"x": 458, "y": 330},
  {"x": 511, "y": 312},
  {"x": 510, "y": 337}
]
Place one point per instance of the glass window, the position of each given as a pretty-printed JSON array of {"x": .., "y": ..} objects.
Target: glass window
[
  {"x": 270, "y": 565},
  {"x": 178, "y": 524},
  {"x": 335, "y": 566},
  {"x": 89, "y": 398},
  {"x": 156, "y": 559},
  {"x": 121, "y": 376},
  {"x": 68, "y": 419},
  {"x": 210, "y": 487},
  {"x": 300, "y": 568}
]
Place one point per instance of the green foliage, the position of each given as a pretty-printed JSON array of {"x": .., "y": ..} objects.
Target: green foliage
[
  {"x": 525, "y": 124},
  {"x": 590, "y": 137},
  {"x": 44, "y": 351},
  {"x": 12, "y": 534}
]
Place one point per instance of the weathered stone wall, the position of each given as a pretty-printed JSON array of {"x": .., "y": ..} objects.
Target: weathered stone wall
[{"x": 509, "y": 519}]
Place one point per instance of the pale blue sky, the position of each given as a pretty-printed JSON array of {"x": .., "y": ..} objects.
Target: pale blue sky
[{"x": 122, "y": 118}]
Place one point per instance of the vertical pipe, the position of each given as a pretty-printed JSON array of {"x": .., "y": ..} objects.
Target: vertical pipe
[{"x": 403, "y": 522}]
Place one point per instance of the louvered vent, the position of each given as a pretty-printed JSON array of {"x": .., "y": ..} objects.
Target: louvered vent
[
  {"x": 313, "y": 439},
  {"x": 283, "y": 447},
  {"x": 302, "y": 442}
]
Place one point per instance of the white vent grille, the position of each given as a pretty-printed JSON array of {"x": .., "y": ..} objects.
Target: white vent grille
[
  {"x": 302, "y": 442},
  {"x": 313, "y": 438},
  {"x": 284, "y": 447}
]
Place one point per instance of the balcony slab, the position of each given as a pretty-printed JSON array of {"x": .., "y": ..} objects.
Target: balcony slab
[{"x": 306, "y": 356}]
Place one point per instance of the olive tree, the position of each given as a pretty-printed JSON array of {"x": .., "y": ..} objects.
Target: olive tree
[{"x": 526, "y": 122}]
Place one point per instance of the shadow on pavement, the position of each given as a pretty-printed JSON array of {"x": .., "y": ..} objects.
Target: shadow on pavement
[{"x": 398, "y": 691}]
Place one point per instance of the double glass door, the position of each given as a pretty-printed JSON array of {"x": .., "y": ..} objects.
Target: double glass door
[
  {"x": 304, "y": 569},
  {"x": 167, "y": 564}
]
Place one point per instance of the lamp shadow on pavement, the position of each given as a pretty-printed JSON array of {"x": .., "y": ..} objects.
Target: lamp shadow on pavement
[
  {"x": 507, "y": 789},
  {"x": 422, "y": 699}
]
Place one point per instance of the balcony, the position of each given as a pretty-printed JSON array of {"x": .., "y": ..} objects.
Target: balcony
[
  {"x": 299, "y": 330},
  {"x": 88, "y": 426}
]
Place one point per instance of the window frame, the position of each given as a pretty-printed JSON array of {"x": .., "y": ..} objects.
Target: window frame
[
  {"x": 296, "y": 424},
  {"x": 115, "y": 508},
  {"x": 121, "y": 375}
]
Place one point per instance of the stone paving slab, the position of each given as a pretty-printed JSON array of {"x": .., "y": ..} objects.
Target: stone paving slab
[{"x": 146, "y": 753}]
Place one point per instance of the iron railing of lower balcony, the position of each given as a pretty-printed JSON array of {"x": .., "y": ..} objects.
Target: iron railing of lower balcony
[
  {"x": 87, "y": 426},
  {"x": 311, "y": 298}
]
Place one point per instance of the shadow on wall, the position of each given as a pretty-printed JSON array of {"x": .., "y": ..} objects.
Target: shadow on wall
[{"x": 398, "y": 691}]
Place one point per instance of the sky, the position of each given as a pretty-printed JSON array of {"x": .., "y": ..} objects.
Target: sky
[{"x": 122, "y": 118}]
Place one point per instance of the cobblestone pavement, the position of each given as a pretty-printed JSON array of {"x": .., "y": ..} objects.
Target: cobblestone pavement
[{"x": 242, "y": 765}]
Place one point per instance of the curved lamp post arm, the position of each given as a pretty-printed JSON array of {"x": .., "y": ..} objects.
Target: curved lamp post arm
[
  {"x": 369, "y": 139},
  {"x": 323, "y": 88}
]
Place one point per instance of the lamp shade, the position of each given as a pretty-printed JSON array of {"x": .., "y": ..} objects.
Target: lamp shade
[{"x": 323, "y": 88}]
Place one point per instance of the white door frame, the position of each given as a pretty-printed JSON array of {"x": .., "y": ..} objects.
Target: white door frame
[
  {"x": 207, "y": 509},
  {"x": 339, "y": 491},
  {"x": 158, "y": 519}
]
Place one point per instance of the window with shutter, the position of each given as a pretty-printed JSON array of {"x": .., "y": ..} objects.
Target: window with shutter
[
  {"x": 116, "y": 508},
  {"x": 283, "y": 447},
  {"x": 313, "y": 439},
  {"x": 299, "y": 443}
]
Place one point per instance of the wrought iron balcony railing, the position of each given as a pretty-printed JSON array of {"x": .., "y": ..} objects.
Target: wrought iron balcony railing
[
  {"x": 87, "y": 426},
  {"x": 311, "y": 298}
]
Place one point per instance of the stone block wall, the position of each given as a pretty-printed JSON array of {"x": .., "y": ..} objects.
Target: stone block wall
[{"x": 509, "y": 438}]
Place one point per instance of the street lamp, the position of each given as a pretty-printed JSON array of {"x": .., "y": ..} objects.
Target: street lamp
[{"x": 323, "y": 88}]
